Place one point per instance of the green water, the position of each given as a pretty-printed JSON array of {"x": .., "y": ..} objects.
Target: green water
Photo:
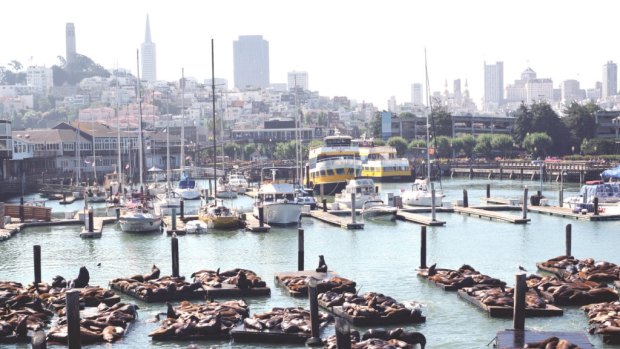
[{"x": 381, "y": 258}]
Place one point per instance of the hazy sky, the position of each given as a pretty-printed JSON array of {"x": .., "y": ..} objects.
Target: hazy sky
[{"x": 366, "y": 50}]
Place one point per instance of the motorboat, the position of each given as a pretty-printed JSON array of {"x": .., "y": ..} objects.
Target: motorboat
[
  {"x": 378, "y": 210},
  {"x": 363, "y": 189},
  {"x": 309, "y": 201},
  {"x": 225, "y": 190},
  {"x": 94, "y": 194},
  {"x": 139, "y": 218},
  {"x": 195, "y": 226},
  {"x": 166, "y": 202},
  {"x": 606, "y": 192},
  {"x": 421, "y": 195},
  {"x": 238, "y": 182},
  {"x": 187, "y": 189},
  {"x": 219, "y": 217},
  {"x": 278, "y": 203}
]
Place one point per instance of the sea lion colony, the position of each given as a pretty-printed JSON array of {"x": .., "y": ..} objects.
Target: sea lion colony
[
  {"x": 604, "y": 318},
  {"x": 504, "y": 297},
  {"x": 465, "y": 276},
  {"x": 151, "y": 287},
  {"x": 20, "y": 311},
  {"x": 576, "y": 292},
  {"x": 381, "y": 339},
  {"x": 586, "y": 269},
  {"x": 195, "y": 321},
  {"x": 299, "y": 285},
  {"x": 369, "y": 305},
  {"x": 287, "y": 320},
  {"x": 242, "y": 278}
]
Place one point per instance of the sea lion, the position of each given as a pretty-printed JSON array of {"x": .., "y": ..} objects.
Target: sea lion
[
  {"x": 153, "y": 275},
  {"x": 432, "y": 270},
  {"x": 170, "y": 313},
  {"x": 59, "y": 282},
  {"x": 322, "y": 265},
  {"x": 376, "y": 333},
  {"x": 242, "y": 281},
  {"x": 413, "y": 338},
  {"x": 82, "y": 280}
]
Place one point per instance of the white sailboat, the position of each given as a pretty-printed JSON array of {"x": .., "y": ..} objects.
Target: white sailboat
[
  {"x": 140, "y": 216},
  {"x": 186, "y": 188},
  {"x": 168, "y": 200}
]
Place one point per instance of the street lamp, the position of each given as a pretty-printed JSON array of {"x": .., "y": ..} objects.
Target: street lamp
[{"x": 540, "y": 163}]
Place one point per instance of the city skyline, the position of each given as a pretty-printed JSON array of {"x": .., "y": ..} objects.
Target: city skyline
[{"x": 372, "y": 56}]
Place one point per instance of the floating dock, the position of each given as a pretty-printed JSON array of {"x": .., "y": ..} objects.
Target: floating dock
[
  {"x": 252, "y": 224},
  {"x": 405, "y": 215},
  {"x": 409, "y": 318},
  {"x": 506, "y": 311},
  {"x": 231, "y": 291},
  {"x": 344, "y": 222},
  {"x": 240, "y": 334},
  {"x": 322, "y": 283},
  {"x": 568, "y": 213},
  {"x": 162, "y": 294},
  {"x": 516, "y": 339},
  {"x": 502, "y": 201},
  {"x": 481, "y": 212}
]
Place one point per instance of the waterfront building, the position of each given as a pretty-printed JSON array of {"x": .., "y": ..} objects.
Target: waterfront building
[
  {"x": 70, "y": 43},
  {"x": 298, "y": 79},
  {"x": 251, "y": 62},
  {"x": 610, "y": 80},
  {"x": 149, "y": 57},
  {"x": 493, "y": 85},
  {"x": 274, "y": 130}
]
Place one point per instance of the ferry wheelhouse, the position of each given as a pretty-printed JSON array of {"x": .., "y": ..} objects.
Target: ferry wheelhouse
[{"x": 333, "y": 164}]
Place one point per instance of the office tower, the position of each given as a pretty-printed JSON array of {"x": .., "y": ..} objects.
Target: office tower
[
  {"x": 493, "y": 84},
  {"x": 251, "y": 61},
  {"x": 416, "y": 94},
  {"x": 298, "y": 79},
  {"x": 149, "y": 58},
  {"x": 571, "y": 91},
  {"x": 456, "y": 94},
  {"x": 70, "y": 43},
  {"x": 610, "y": 80}
]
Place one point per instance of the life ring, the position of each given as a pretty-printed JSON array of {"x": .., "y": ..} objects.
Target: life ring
[{"x": 601, "y": 210}]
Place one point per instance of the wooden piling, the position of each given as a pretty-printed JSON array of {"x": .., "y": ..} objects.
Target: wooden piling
[
  {"x": 324, "y": 201},
  {"x": 353, "y": 208},
  {"x": 21, "y": 210},
  {"x": 433, "y": 203},
  {"x": 465, "y": 201},
  {"x": 569, "y": 239},
  {"x": 36, "y": 249},
  {"x": 518, "y": 319},
  {"x": 118, "y": 213},
  {"x": 423, "y": 247},
  {"x": 343, "y": 333},
  {"x": 525, "y": 203},
  {"x": 561, "y": 198},
  {"x": 182, "y": 208},
  {"x": 91, "y": 220},
  {"x": 300, "y": 249},
  {"x": 174, "y": 219},
  {"x": 488, "y": 190},
  {"x": 175, "y": 257},
  {"x": 261, "y": 215},
  {"x": 315, "y": 340},
  {"x": 39, "y": 340},
  {"x": 73, "y": 319},
  {"x": 595, "y": 201}
]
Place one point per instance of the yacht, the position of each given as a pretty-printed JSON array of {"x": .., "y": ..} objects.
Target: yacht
[
  {"x": 196, "y": 227},
  {"x": 331, "y": 165},
  {"x": 364, "y": 190},
  {"x": 378, "y": 210},
  {"x": 187, "y": 189},
  {"x": 420, "y": 194},
  {"x": 139, "y": 218},
  {"x": 237, "y": 181},
  {"x": 606, "y": 192},
  {"x": 219, "y": 216},
  {"x": 225, "y": 190},
  {"x": 277, "y": 197}
]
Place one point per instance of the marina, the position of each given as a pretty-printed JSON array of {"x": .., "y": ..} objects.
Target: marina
[{"x": 494, "y": 247}]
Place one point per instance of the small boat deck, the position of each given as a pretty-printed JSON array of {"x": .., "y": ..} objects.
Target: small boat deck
[
  {"x": 252, "y": 224},
  {"x": 515, "y": 339},
  {"x": 344, "y": 222}
]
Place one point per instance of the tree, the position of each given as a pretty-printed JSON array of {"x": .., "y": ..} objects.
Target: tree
[
  {"x": 546, "y": 120},
  {"x": 538, "y": 144},
  {"x": 469, "y": 143},
  {"x": 580, "y": 121},
  {"x": 406, "y": 115},
  {"x": 248, "y": 150},
  {"x": 285, "y": 150},
  {"x": 457, "y": 146},
  {"x": 379, "y": 142},
  {"x": 441, "y": 122},
  {"x": 444, "y": 147},
  {"x": 315, "y": 143},
  {"x": 523, "y": 124},
  {"x": 399, "y": 143},
  {"x": 416, "y": 143},
  {"x": 483, "y": 146},
  {"x": 232, "y": 150},
  {"x": 502, "y": 144},
  {"x": 15, "y": 65}
]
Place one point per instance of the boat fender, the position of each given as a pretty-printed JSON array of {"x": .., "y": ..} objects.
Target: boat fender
[{"x": 601, "y": 209}]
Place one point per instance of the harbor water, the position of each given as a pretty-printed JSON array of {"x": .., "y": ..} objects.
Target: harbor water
[{"x": 382, "y": 257}]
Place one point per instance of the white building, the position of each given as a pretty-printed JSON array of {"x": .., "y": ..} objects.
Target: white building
[
  {"x": 539, "y": 90},
  {"x": 571, "y": 91},
  {"x": 41, "y": 79},
  {"x": 493, "y": 85},
  {"x": 298, "y": 79},
  {"x": 610, "y": 80},
  {"x": 416, "y": 94}
]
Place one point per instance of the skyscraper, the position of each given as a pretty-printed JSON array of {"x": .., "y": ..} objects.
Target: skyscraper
[
  {"x": 70, "y": 43},
  {"x": 251, "y": 61},
  {"x": 416, "y": 94},
  {"x": 493, "y": 85},
  {"x": 298, "y": 79},
  {"x": 149, "y": 58},
  {"x": 610, "y": 80}
]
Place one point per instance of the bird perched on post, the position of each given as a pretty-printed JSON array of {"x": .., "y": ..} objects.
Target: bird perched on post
[{"x": 522, "y": 269}]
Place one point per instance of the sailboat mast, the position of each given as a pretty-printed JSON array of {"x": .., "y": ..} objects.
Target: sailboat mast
[
  {"x": 182, "y": 119},
  {"x": 77, "y": 148},
  {"x": 213, "y": 108},
  {"x": 141, "y": 139},
  {"x": 118, "y": 137},
  {"x": 428, "y": 125},
  {"x": 94, "y": 155}
]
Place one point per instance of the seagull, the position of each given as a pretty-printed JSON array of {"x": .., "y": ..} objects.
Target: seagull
[
  {"x": 522, "y": 269},
  {"x": 99, "y": 264}
]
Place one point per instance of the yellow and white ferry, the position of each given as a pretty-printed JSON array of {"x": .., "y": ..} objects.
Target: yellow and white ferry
[
  {"x": 381, "y": 163},
  {"x": 334, "y": 163}
]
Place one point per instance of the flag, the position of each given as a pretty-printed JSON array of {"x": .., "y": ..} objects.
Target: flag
[
  {"x": 87, "y": 161},
  {"x": 127, "y": 167}
]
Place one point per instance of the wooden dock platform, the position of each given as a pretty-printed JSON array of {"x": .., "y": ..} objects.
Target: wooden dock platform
[
  {"x": 252, "y": 224},
  {"x": 516, "y": 339},
  {"x": 241, "y": 334},
  {"x": 568, "y": 213},
  {"x": 180, "y": 225},
  {"x": 484, "y": 213},
  {"x": 418, "y": 218},
  {"x": 98, "y": 223},
  {"x": 323, "y": 278},
  {"x": 502, "y": 201},
  {"x": 507, "y": 311},
  {"x": 344, "y": 222},
  {"x": 409, "y": 318}
]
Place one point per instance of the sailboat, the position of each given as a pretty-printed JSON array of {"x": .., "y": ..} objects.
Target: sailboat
[
  {"x": 168, "y": 200},
  {"x": 225, "y": 190},
  {"x": 217, "y": 216},
  {"x": 140, "y": 216},
  {"x": 421, "y": 192},
  {"x": 186, "y": 188}
]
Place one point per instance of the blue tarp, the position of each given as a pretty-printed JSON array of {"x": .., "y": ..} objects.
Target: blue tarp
[{"x": 613, "y": 173}]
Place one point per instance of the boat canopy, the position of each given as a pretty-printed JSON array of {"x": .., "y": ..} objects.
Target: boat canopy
[
  {"x": 612, "y": 173},
  {"x": 187, "y": 184}
]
